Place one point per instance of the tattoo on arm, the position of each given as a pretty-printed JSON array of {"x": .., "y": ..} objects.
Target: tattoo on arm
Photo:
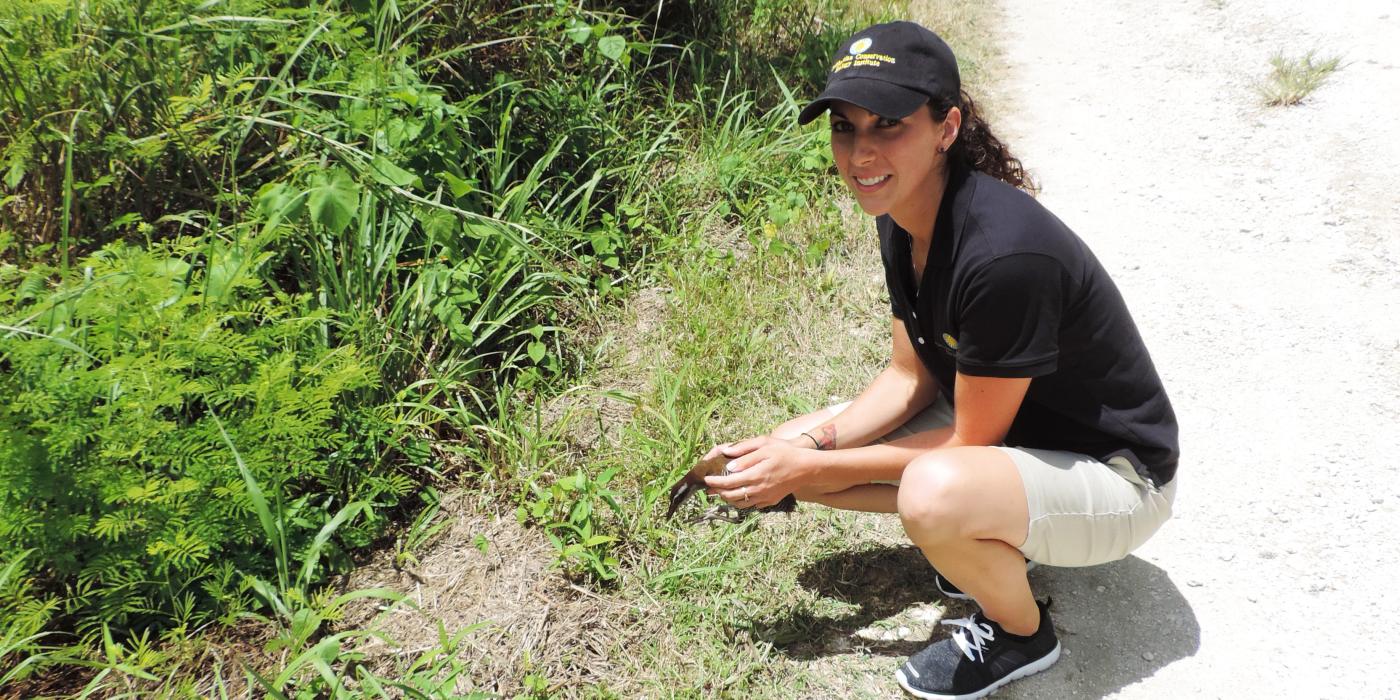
[{"x": 827, "y": 441}]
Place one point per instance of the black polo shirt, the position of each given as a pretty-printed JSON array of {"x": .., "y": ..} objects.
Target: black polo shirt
[{"x": 1010, "y": 291}]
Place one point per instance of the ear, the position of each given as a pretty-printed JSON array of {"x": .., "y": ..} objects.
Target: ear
[{"x": 952, "y": 125}]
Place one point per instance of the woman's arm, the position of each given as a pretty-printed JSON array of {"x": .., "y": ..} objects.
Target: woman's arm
[
  {"x": 985, "y": 408},
  {"x": 772, "y": 469},
  {"x": 893, "y": 397}
]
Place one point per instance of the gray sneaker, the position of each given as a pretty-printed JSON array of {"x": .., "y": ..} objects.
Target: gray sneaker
[{"x": 978, "y": 658}]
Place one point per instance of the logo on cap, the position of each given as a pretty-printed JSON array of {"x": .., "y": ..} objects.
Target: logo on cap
[{"x": 860, "y": 46}]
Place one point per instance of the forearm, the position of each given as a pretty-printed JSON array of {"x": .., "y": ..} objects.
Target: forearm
[
  {"x": 888, "y": 402},
  {"x": 986, "y": 408},
  {"x": 840, "y": 469}
]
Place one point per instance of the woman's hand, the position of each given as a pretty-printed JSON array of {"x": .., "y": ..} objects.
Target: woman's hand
[{"x": 764, "y": 470}]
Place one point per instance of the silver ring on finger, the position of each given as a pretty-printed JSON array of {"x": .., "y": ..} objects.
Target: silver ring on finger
[{"x": 746, "y": 494}]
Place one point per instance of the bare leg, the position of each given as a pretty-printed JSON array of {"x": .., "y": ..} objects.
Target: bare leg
[{"x": 966, "y": 509}]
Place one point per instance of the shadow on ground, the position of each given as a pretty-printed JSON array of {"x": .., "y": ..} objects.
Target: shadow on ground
[{"x": 1118, "y": 623}]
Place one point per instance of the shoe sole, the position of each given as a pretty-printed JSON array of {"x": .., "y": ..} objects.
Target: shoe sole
[
  {"x": 938, "y": 583},
  {"x": 1033, "y": 667}
]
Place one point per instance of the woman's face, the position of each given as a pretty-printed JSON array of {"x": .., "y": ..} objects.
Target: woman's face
[{"x": 890, "y": 164}]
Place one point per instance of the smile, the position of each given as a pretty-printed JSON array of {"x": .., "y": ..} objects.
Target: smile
[{"x": 872, "y": 181}]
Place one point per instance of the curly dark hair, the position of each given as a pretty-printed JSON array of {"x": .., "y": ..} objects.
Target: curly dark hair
[{"x": 978, "y": 148}]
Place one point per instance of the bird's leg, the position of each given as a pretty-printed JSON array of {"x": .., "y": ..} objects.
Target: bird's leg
[{"x": 723, "y": 513}]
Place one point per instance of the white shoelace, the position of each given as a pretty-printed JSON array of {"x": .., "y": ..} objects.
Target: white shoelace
[{"x": 972, "y": 636}]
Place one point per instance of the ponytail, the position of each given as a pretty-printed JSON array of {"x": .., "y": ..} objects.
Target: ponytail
[{"x": 977, "y": 148}]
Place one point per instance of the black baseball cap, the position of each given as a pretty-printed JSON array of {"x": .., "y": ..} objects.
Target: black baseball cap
[{"x": 890, "y": 69}]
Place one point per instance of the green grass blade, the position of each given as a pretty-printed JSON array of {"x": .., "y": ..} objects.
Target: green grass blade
[
  {"x": 271, "y": 527},
  {"x": 313, "y": 552}
]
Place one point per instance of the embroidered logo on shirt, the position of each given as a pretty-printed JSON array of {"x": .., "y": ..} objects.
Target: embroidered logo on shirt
[{"x": 950, "y": 341}]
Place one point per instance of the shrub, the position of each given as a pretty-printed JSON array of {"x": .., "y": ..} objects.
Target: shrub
[{"x": 114, "y": 471}]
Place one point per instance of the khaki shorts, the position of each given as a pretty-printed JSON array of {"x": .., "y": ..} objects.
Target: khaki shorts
[{"x": 1082, "y": 511}]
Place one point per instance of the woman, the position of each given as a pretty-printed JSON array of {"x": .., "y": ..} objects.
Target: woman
[{"x": 1020, "y": 418}]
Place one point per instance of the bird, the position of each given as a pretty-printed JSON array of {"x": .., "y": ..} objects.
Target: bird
[{"x": 694, "y": 480}]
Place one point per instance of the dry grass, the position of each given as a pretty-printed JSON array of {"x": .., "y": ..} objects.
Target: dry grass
[
  {"x": 486, "y": 570},
  {"x": 1293, "y": 79}
]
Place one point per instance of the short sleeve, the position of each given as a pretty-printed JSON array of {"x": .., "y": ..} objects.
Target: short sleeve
[
  {"x": 896, "y": 309},
  {"x": 1009, "y": 317}
]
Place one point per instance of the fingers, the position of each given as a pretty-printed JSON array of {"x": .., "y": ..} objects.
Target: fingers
[
  {"x": 735, "y": 449},
  {"x": 745, "y": 497},
  {"x": 743, "y": 447},
  {"x": 737, "y": 477},
  {"x": 749, "y": 460}
]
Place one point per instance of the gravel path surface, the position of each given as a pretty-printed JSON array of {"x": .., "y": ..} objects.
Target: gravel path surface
[{"x": 1257, "y": 248}]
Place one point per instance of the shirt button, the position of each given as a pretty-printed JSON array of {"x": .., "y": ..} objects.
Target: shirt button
[
  {"x": 921, "y": 341},
  {"x": 916, "y": 314}
]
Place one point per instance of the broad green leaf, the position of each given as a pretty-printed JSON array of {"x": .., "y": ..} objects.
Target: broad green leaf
[
  {"x": 333, "y": 199},
  {"x": 384, "y": 170},
  {"x": 438, "y": 224},
  {"x": 14, "y": 174},
  {"x": 277, "y": 201},
  {"x": 225, "y": 269},
  {"x": 409, "y": 97},
  {"x": 612, "y": 46},
  {"x": 458, "y": 186},
  {"x": 579, "y": 31},
  {"x": 536, "y": 351}
]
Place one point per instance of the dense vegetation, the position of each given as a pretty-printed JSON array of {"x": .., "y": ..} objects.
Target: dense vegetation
[{"x": 270, "y": 270}]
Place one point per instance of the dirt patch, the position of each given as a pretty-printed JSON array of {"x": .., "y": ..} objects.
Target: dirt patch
[{"x": 486, "y": 570}]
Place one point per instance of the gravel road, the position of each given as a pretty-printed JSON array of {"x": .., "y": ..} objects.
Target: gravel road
[{"x": 1258, "y": 249}]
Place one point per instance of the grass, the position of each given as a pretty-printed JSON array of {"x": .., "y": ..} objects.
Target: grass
[
  {"x": 760, "y": 322},
  {"x": 770, "y": 305},
  {"x": 1293, "y": 79}
]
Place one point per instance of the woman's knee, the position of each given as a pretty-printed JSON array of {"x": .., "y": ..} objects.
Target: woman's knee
[{"x": 934, "y": 496}]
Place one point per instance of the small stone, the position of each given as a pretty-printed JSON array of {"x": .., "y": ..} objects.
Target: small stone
[
  {"x": 1148, "y": 655},
  {"x": 928, "y": 615},
  {"x": 1378, "y": 500},
  {"x": 1100, "y": 589},
  {"x": 1194, "y": 583},
  {"x": 1227, "y": 557}
]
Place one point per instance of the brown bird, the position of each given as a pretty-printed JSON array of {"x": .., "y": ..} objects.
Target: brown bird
[{"x": 694, "y": 480}]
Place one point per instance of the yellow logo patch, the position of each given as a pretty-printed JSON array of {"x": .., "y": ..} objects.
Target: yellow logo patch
[
  {"x": 858, "y": 57},
  {"x": 950, "y": 341}
]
